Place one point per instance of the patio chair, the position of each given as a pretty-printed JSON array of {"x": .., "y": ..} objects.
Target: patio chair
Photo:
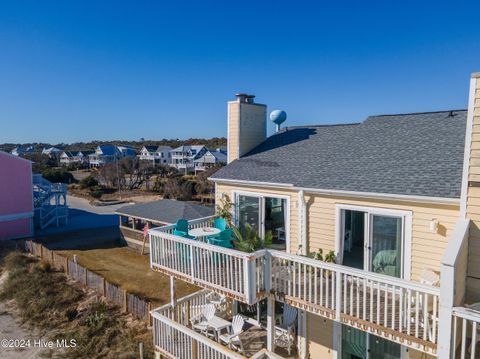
[
  {"x": 220, "y": 223},
  {"x": 223, "y": 239},
  {"x": 219, "y": 301},
  {"x": 181, "y": 229},
  {"x": 232, "y": 339},
  {"x": 200, "y": 322},
  {"x": 285, "y": 331}
]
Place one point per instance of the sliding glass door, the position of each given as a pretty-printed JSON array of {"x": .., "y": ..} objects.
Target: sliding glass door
[
  {"x": 373, "y": 240},
  {"x": 264, "y": 214}
]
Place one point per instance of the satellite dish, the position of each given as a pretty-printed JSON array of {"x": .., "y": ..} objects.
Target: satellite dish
[{"x": 278, "y": 117}]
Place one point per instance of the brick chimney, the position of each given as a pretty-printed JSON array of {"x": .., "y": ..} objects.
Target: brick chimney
[{"x": 247, "y": 125}]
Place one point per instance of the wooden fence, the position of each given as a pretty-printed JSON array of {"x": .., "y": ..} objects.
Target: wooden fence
[{"x": 138, "y": 307}]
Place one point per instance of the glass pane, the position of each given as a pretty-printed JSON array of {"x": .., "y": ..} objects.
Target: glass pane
[
  {"x": 383, "y": 349},
  {"x": 248, "y": 212},
  {"x": 353, "y": 241},
  {"x": 354, "y": 343},
  {"x": 275, "y": 212},
  {"x": 387, "y": 245}
]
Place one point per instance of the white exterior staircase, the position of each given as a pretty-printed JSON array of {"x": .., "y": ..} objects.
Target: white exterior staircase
[{"x": 50, "y": 202}]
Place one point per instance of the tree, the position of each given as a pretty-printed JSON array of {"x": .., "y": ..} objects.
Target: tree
[
  {"x": 58, "y": 175},
  {"x": 204, "y": 185},
  {"x": 88, "y": 182},
  {"x": 178, "y": 187}
]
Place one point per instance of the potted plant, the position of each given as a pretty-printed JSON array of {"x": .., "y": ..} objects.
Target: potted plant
[{"x": 250, "y": 241}]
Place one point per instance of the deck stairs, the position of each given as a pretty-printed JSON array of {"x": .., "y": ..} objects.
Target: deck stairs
[{"x": 50, "y": 202}]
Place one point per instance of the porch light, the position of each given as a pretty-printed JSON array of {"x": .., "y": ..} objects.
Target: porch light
[{"x": 434, "y": 225}]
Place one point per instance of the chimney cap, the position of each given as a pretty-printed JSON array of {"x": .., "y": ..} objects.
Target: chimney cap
[{"x": 243, "y": 97}]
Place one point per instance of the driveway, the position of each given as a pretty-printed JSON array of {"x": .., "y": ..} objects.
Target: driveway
[{"x": 88, "y": 226}]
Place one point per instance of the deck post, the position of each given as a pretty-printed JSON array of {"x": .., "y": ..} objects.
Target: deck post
[
  {"x": 270, "y": 323},
  {"x": 338, "y": 295},
  {"x": 452, "y": 284},
  {"x": 173, "y": 294},
  {"x": 270, "y": 304}
]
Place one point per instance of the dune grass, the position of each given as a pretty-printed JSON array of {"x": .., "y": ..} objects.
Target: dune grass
[{"x": 60, "y": 309}]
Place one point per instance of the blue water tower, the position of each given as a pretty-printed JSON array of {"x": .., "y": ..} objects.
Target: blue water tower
[{"x": 278, "y": 117}]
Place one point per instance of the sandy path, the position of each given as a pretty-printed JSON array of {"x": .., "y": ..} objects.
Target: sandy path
[{"x": 10, "y": 329}]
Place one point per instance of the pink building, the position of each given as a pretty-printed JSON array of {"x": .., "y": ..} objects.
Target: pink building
[{"x": 16, "y": 197}]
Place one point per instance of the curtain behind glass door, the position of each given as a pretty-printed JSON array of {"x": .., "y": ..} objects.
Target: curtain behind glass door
[{"x": 386, "y": 245}]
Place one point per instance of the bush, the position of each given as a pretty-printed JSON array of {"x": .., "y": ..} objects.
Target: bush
[
  {"x": 88, "y": 182},
  {"x": 96, "y": 192},
  {"x": 56, "y": 175}
]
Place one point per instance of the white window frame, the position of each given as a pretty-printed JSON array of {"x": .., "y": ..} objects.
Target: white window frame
[
  {"x": 406, "y": 224},
  {"x": 262, "y": 197}
]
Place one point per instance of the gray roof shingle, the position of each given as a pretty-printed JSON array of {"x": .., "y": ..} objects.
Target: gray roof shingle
[
  {"x": 410, "y": 154},
  {"x": 167, "y": 210}
]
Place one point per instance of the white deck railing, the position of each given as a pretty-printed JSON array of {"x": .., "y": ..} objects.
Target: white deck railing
[
  {"x": 400, "y": 310},
  {"x": 393, "y": 308},
  {"x": 465, "y": 337},
  {"x": 236, "y": 274},
  {"x": 174, "y": 340},
  {"x": 173, "y": 337}
]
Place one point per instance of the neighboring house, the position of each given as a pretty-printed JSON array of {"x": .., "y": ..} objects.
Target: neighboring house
[
  {"x": 21, "y": 150},
  {"x": 159, "y": 213},
  {"x": 105, "y": 154},
  {"x": 51, "y": 151},
  {"x": 210, "y": 159},
  {"x": 66, "y": 158},
  {"x": 16, "y": 201},
  {"x": 156, "y": 154},
  {"x": 183, "y": 157},
  {"x": 396, "y": 198},
  {"x": 70, "y": 157}
]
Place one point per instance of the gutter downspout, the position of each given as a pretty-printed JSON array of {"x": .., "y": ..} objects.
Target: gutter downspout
[
  {"x": 302, "y": 249},
  {"x": 302, "y": 224}
]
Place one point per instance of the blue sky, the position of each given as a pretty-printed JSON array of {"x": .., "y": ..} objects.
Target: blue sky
[{"x": 84, "y": 70}]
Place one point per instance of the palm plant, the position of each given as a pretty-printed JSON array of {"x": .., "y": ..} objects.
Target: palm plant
[
  {"x": 250, "y": 240},
  {"x": 224, "y": 209}
]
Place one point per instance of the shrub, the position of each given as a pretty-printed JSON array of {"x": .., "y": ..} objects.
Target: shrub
[
  {"x": 88, "y": 182},
  {"x": 96, "y": 192},
  {"x": 56, "y": 175}
]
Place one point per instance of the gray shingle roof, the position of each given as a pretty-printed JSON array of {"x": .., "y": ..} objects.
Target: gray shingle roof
[
  {"x": 412, "y": 154},
  {"x": 167, "y": 210}
]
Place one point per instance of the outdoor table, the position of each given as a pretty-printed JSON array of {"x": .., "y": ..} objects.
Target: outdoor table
[
  {"x": 200, "y": 233},
  {"x": 218, "y": 324}
]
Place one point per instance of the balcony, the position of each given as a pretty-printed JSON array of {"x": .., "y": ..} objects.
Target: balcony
[
  {"x": 235, "y": 274},
  {"x": 175, "y": 338},
  {"x": 402, "y": 311}
]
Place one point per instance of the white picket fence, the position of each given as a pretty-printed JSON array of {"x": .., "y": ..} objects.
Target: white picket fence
[{"x": 465, "y": 337}]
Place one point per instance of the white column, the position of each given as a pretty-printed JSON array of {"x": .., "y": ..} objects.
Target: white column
[
  {"x": 173, "y": 291},
  {"x": 270, "y": 323}
]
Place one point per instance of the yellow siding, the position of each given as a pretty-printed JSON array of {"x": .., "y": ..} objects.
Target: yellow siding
[
  {"x": 320, "y": 337},
  {"x": 253, "y": 126},
  {"x": 427, "y": 247},
  {"x": 473, "y": 203},
  {"x": 233, "y": 128}
]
